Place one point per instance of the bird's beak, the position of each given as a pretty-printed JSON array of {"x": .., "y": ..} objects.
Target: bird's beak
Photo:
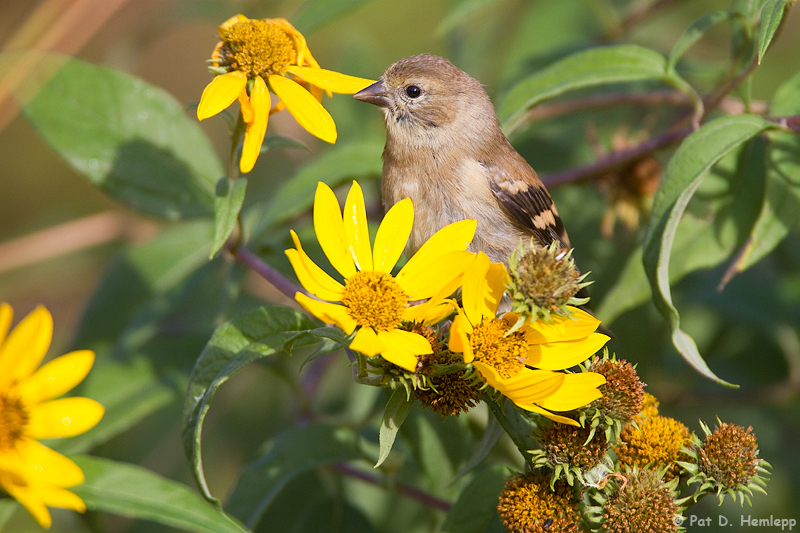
[{"x": 374, "y": 94}]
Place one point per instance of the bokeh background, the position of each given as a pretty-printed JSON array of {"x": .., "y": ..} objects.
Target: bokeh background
[{"x": 58, "y": 233}]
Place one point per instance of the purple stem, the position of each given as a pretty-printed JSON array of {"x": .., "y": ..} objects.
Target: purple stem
[
  {"x": 401, "y": 488},
  {"x": 249, "y": 259}
]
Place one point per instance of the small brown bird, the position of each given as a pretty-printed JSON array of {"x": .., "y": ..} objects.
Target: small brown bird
[{"x": 445, "y": 151}]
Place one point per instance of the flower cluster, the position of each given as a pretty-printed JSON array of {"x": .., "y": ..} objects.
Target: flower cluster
[
  {"x": 30, "y": 472},
  {"x": 526, "y": 364},
  {"x": 256, "y": 57}
]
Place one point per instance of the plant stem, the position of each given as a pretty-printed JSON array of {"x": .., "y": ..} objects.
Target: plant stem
[
  {"x": 401, "y": 488},
  {"x": 252, "y": 261}
]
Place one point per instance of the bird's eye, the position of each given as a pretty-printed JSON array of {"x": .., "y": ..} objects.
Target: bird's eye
[{"x": 413, "y": 91}]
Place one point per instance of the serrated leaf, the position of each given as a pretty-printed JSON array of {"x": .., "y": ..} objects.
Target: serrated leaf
[
  {"x": 316, "y": 13},
  {"x": 132, "y": 491},
  {"x": 475, "y": 511},
  {"x": 332, "y": 339},
  {"x": 687, "y": 168},
  {"x": 334, "y": 167},
  {"x": 695, "y": 31},
  {"x": 227, "y": 205},
  {"x": 293, "y": 452},
  {"x": 130, "y": 138},
  {"x": 588, "y": 68},
  {"x": 397, "y": 409},
  {"x": 771, "y": 16},
  {"x": 233, "y": 346}
]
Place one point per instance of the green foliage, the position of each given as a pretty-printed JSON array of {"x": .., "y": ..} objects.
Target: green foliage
[
  {"x": 590, "y": 90},
  {"x": 129, "y": 138}
]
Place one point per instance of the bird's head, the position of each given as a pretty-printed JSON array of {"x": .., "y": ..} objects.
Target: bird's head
[{"x": 426, "y": 101}]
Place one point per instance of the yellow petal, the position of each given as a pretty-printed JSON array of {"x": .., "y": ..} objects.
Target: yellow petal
[
  {"x": 303, "y": 53},
  {"x": 367, "y": 342},
  {"x": 459, "y": 340},
  {"x": 433, "y": 311},
  {"x": 62, "y": 498},
  {"x": 445, "y": 275},
  {"x": 548, "y": 414},
  {"x": 529, "y": 386},
  {"x": 576, "y": 391},
  {"x": 63, "y": 418},
  {"x": 26, "y": 345},
  {"x": 6, "y": 315},
  {"x": 246, "y": 107},
  {"x": 483, "y": 288},
  {"x": 56, "y": 377},
  {"x": 329, "y": 228},
  {"x": 40, "y": 464},
  {"x": 254, "y": 134},
  {"x": 356, "y": 230},
  {"x": 330, "y": 80},
  {"x": 327, "y": 312},
  {"x": 451, "y": 238},
  {"x": 26, "y": 495},
  {"x": 578, "y": 326},
  {"x": 402, "y": 347},
  {"x": 304, "y": 108},
  {"x": 225, "y": 26},
  {"x": 563, "y": 355},
  {"x": 312, "y": 277},
  {"x": 220, "y": 93},
  {"x": 392, "y": 235}
]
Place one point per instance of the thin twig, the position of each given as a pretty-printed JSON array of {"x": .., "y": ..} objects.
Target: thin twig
[
  {"x": 617, "y": 159},
  {"x": 278, "y": 280},
  {"x": 401, "y": 488}
]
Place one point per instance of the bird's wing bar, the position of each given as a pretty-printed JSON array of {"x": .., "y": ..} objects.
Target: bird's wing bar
[{"x": 530, "y": 205}]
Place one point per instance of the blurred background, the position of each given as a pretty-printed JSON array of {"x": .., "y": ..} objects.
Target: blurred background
[{"x": 59, "y": 234}]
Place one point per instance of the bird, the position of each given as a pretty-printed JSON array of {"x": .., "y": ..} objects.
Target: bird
[{"x": 446, "y": 152}]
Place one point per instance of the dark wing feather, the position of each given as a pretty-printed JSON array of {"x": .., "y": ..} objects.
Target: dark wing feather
[{"x": 530, "y": 205}]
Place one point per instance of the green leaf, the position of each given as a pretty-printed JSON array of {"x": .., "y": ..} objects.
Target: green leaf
[
  {"x": 717, "y": 222},
  {"x": 331, "y": 515},
  {"x": 491, "y": 435},
  {"x": 293, "y": 452},
  {"x": 233, "y": 346},
  {"x": 695, "y": 31},
  {"x": 514, "y": 423},
  {"x": 138, "y": 291},
  {"x": 460, "y": 13},
  {"x": 334, "y": 167},
  {"x": 588, "y": 68},
  {"x": 332, "y": 339},
  {"x": 687, "y": 168},
  {"x": 279, "y": 141},
  {"x": 771, "y": 16},
  {"x": 475, "y": 511},
  {"x": 397, "y": 409},
  {"x": 227, "y": 205},
  {"x": 130, "y": 138},
  {"x": 316, "y": 13},
  {"x": 781, "y": 210},
  {"x": 135, "y": 492},
  {"x": 8, "y": 506}
]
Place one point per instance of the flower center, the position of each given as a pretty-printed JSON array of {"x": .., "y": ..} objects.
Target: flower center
[
  {"x": 13, "y": 419},
  {"x": 258, "y": 48},
  {"x": 374, "y": 299},
  {"x": 490, "y": 345}
]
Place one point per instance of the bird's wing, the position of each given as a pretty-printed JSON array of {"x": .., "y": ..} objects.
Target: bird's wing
[{"x": 528, "y": 203}]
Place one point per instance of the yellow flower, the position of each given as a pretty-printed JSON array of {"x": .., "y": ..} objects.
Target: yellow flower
[
  {"x": 505, "y": 360},
  {"x": 372, "y": 300},
  {"x": 30, "y": 472},
  {"x": 258, "y": 56}
]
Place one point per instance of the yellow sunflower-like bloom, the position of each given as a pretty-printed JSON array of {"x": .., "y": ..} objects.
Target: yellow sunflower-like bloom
[
  {"x": 371, "y": 300},
  {"x": 257, "y": 56},
  {"x": 30, "y": 472},
  {"x": 506, "y": 360}
]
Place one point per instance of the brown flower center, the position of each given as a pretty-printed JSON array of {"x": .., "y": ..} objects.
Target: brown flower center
[
  {"x": 491, "y": 346},
  {"x": 374, "y": 299},
  {"x": 258, "y": 48},
  {"x": 13, "y": 419}
]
